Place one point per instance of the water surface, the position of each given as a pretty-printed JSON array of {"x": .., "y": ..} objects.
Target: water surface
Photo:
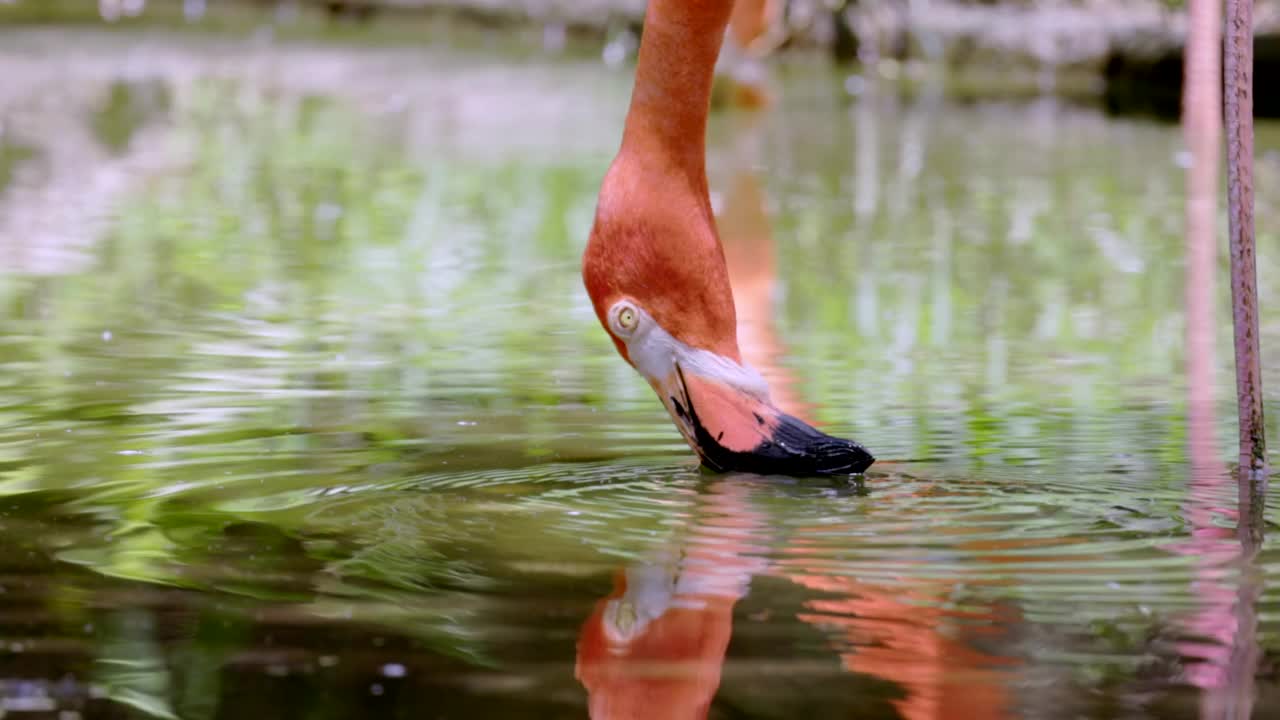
[{"x": 304, "y": 412}]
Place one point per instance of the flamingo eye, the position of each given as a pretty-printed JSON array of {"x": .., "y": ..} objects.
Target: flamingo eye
[{"x": 625, "y": 318}]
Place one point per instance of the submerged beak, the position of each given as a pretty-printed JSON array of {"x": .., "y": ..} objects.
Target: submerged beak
[
  {"x": 722, "y": 407},
  {"x": 736, "y": 429}
]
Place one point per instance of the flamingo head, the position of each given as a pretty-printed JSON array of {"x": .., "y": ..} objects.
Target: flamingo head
[{"x": 656, "y": 275}]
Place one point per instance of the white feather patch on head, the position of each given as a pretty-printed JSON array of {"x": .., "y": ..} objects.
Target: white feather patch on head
[{"x": 655, "y": 353}]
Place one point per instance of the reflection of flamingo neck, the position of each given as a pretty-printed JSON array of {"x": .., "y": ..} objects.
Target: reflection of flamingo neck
[
  {"x": 751, "y": 21},
  {"x": 752, "y": 32},
  {"x": 903, "y": 635},
  {"x": 749, "y": 252}
]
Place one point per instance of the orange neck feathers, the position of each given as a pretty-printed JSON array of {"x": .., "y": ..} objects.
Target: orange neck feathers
[{"x": 674, "y": 72}]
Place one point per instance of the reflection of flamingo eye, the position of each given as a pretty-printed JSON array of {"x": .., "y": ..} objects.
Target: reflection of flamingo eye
[
  {"x": 620, "y": 622},
  {"x": 626, "y": 618}
]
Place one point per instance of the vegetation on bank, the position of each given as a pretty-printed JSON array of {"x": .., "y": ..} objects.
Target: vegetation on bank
[{"x": 1128, "y": 54}]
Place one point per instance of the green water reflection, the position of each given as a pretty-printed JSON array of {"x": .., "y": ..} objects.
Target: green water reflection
[{"x": 303, "y": 407}]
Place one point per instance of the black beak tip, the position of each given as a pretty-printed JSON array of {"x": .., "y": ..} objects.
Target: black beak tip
[
  {"x": 835, "y": 456},
  {"x": 794, "y": 448},
  {"x": 817, "y": 453}
]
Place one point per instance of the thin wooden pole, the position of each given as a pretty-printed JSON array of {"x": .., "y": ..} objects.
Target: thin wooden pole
[{"x": 1238, "y": 81}]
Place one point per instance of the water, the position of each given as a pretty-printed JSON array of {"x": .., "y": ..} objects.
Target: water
[{"x": 305, "y": 413}]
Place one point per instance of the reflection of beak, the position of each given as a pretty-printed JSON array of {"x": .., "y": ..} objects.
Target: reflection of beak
[{"x": 735, "y": 429}]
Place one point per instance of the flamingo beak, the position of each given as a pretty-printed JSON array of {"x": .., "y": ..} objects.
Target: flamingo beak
[
  {"x": 733, "y": 428},
  {"x": 722, "y": 407}
]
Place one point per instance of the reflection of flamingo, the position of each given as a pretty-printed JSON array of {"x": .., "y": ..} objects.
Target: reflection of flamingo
[
  {"x": 655, "y": 647},
  {"x": 753, "y": 33},
  {"x": 656, "y": 273},
  {"x": 907, "y": 636},
  {"x": 749, "y": 252},
  {"x": 901, "y": 634}
]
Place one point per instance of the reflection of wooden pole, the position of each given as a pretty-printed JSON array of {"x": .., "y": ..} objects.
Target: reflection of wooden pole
[
  {"x": 1246, "y": 653},
  {"x": 1202, "y": 131},
  {"x": 1238, "y": 79}
]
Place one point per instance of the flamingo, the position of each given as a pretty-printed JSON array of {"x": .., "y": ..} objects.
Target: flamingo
[{"x": 655, "y": 270}]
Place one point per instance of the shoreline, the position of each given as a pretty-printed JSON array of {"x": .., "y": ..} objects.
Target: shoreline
[{"x": 1125, "y": 56}]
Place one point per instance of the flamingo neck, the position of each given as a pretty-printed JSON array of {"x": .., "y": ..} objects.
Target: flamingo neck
[{"x": 667, "y": 121}]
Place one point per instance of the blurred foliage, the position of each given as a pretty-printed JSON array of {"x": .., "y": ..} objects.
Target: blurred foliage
[
  {"x": 12, "y": 155},
  {"x": 305, "y": 21},
  {"x": 128, "y": 107}
]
